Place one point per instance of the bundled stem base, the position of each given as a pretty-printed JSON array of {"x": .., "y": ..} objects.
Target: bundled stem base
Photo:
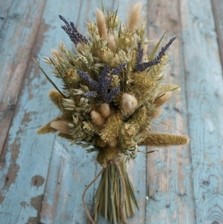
[{"x": 115, "y": 199}]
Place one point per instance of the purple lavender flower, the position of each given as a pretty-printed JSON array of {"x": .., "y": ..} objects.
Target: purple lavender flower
[
  {"x": 72, "y": 32},
  {"x": 139, "y": 54},
  {"x": 102, "y": 87},
  {"x": 143, "y": 66},
  {"x": 87, "y": 78},
  {"x": 92, "y": 94},
  {"x": 117, "y": 70}
]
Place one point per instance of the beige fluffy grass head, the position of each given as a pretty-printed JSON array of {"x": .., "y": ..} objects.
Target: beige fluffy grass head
[
  {"x": 97, "y": 118},
  {"x": 101, "y": 24},
  {"x": 104, "y": 109},
  {"x": 134, "y": 17},
  {"x": 61, "y": 126},
  {"x": 163, "y": 99}
]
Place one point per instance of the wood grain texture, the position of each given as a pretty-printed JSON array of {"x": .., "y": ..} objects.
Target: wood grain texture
[
  {"x": 169, "y": 183},
  {"x": 4, "y": 10},
  {"x": 24, "y": 18},
  {"x": 217, "y": 6},
  {"x": 205, "y": 108}
]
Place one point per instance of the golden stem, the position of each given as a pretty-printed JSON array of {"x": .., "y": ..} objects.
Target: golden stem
[
  {"x": 122, "y": 193},
  {"x": 115, "y": 199}
]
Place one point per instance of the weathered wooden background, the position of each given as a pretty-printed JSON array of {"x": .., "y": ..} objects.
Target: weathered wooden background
[{"x": 42, "y": 179}]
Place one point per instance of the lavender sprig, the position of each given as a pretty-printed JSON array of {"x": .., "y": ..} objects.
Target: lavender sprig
[
  {"x": 112, "y": 94},
  {"x": 118, "y": 69},
  {"x": 90, "y": 94},
  {"x": 139, "y": 54},
  {"x": 87, "y": 78},
  {"x": 103, "y": 83},
  {"x": 102, "y": 87},
  {"x": 72, "y": 32},
  {"x": 143, "y": 66}
]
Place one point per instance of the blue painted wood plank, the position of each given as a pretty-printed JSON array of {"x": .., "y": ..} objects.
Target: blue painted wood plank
[
  {"x": 24, "y": 171},
  {"x": 205, "y": 108},
  {"x": 4, "y": 10},
  {"x": 170, "y": 192},
  {"x": 19, "y": 37}
]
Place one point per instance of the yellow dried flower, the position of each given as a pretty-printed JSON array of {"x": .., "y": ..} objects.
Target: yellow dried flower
[{"x": 110, "y": 131}]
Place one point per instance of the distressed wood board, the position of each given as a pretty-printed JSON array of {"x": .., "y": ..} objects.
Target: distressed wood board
[{"x": 42, "y": 177}]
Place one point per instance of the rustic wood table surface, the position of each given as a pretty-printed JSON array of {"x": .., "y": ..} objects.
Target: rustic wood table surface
[{"x": 42, "y": 178}]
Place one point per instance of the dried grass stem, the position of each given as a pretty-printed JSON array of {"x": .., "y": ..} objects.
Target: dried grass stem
[{"x": 83, "y": 196}]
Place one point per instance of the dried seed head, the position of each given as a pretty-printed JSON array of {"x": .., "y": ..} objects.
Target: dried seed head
[
  {"x": 101, "y": 23},
  {"x": 56, "y": 98},
  {"x": 111, "y": 128},
  {"x": 128, "y": 104},
  {"x": 112, "y": 21},
  {"x": 107, "y": 154},
  {"x": 113, "y": 142},
  {"x": 97, "y": 118},
  {"x": 159, "y": 139},
  {"x": 45, "y": 129},
  {"x": 111, "y": 42},
  {"x": 134, "y": 17},
  {"x": 104, "y": 109},
  {"x": 72, "y": 32},
  {"x": 61, "y": 126},
  {"x": 158, "y": 111},
  {"x": 55, "y": 53},
  {"x": 161, "y": 100},
  {"x": 105, "y": 55}
]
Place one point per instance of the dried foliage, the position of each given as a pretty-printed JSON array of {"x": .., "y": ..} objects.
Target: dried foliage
[{"x": 112, "y": 90}]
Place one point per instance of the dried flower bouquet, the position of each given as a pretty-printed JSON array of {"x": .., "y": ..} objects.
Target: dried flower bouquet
[{"x": 113, "y": 89}]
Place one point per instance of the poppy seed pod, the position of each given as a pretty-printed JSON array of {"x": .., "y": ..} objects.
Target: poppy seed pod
[{"x": 128, "y": 104}]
